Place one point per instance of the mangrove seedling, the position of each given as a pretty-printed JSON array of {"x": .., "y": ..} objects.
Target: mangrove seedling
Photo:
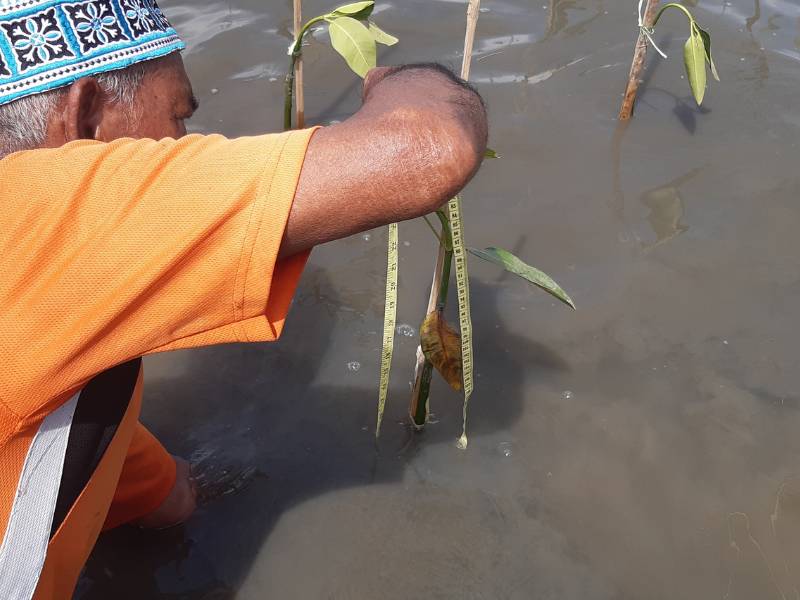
[
  {"x": 696, "y": 53},
  {"x": 441, "y": 347},
  {"x": 353, "y": 35}
]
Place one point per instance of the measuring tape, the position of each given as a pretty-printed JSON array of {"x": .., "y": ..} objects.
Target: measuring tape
[
  {"x": 464, "y": 316},
  {"x": 389, "y": 319}
]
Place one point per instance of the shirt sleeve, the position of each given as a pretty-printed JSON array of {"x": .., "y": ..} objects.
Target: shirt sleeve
[{"x": 112, "y": 251}]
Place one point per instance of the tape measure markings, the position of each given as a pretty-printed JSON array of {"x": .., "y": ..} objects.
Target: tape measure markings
[
  {"x": 389, "y": 320},
  {"x": 464, "y": 313}
]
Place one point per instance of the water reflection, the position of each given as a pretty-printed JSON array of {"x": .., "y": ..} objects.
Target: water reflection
[
  {"x": 756, "y": 15},
  {"x": 558, "y": 17},
  {"x": 666, "y": 210}
]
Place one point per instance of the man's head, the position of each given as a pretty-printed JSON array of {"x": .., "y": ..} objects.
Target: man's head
[
  {"x": 88, "y": 69},
  {"x": 148, "y": 99}
]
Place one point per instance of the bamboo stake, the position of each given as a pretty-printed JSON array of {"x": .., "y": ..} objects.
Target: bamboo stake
[
  {"x": 639, "y": 55},
  {"x": 418, "y": 409},
  {"x": 469, "y": 38},
  {"x": 298, "y": 70}
]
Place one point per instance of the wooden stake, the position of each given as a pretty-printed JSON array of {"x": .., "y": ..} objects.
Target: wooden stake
[
  {"x": 469, "y": 38},
  {"x": 634, "y": 78},
  {"x": 420, "y": 375},
  {"x": 298, "y": 71}
]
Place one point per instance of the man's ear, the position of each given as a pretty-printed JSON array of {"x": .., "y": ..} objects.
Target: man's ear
[{"x": 83, "y": 110}]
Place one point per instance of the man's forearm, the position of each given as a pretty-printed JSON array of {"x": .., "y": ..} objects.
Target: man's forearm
[{"x": 417, "y": 140}]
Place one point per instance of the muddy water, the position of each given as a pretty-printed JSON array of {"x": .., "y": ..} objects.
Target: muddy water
[{"x": 643, "y": 447}]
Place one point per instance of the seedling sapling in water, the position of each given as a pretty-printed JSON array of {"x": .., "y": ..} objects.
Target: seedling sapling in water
[
  {"x": 696, "y": 53},
  {"x": 350, "y": 37},
  {"x": 442, "y": 347}
]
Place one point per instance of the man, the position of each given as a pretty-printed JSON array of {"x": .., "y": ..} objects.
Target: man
[{"x": 120, "y": 237}]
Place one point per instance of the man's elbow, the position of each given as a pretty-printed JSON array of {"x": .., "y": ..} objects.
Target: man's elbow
[{"x": 451, "y": 150}]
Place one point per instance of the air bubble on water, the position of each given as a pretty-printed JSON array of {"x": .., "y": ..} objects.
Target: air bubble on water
[
  {"x": 407, "y": 244},
  {"x": 505, "y": 449},
  {"x": 353, "y": 366},
  {"x": 366, "y": 237},
  {"x": 567, "y": 395},
  {"x": 406, "y": 330},
  {"x": 273, "y": 79},
  {"x": 214, "y": 91}
]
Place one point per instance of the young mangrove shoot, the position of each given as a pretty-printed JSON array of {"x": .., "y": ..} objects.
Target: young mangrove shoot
[
  {"x": 353, "y": 35},
  {"x": 696, "y": 53}
]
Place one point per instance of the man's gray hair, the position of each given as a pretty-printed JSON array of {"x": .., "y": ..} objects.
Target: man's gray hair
[{"x": 23, "y": 122}]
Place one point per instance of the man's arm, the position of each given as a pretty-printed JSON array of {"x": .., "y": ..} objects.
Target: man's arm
[{"x": 416, "y": 142}]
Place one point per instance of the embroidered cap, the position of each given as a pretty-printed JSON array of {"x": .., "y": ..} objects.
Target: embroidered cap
[{"x": 45, "y": 44}]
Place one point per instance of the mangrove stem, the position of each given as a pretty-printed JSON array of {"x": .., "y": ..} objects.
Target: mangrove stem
[
  {"x": 288, "y": 94},
  {"x": 293, "y": 84},
  {"x": 298, "y": 69},
  {"x": 637, "y": 66}
]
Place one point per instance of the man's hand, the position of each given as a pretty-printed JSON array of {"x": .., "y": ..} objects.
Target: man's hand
[{"x": 417, "y": 140}]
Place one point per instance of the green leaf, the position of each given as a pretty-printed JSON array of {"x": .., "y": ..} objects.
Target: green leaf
[
  {"x": 706, "y": 37},
  {"x": 491, "y": 153},
  {"x": 357, "y": 10},
  {"x": 381, "y": 36},
  {"x": 354, "y": 42},
  {"x": 514, "y": 265},
  {"x": 694, "y": 56}
]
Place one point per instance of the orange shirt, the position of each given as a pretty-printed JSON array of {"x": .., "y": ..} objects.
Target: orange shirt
[{"x": 113, "y": 251}]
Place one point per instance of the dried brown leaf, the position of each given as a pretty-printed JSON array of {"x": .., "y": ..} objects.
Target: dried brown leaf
[{"x": 441, "y": 345}]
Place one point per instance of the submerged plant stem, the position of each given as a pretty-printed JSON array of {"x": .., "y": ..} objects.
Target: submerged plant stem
[{"x": 419, "y": 401}]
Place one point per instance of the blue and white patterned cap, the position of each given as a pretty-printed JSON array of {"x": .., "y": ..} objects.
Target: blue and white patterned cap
[{"x": 45, "y": 44}]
